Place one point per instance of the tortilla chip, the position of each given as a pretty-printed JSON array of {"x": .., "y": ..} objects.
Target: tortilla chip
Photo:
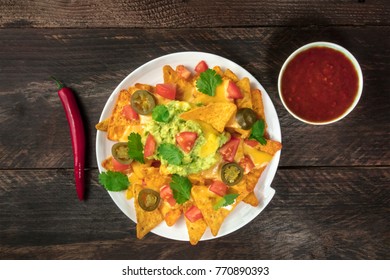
[
  {"x": 129, "y": 193},
  {"x": 119, "y": 127},
  {"x": 151, "y": 176},
  {"x": 208, "y": 175},
  {"x": 215, "y": 114},
  {"x": 271, "y": 147},
  {"x": 196, "y": 179},
  {"x": 181, "y": 71},
  {"x": 240, "y": 151},
  {"x": 230, "y": 75},
  {"x": 221, "y": 95},
  {"x": 244, "y": 134},
  {"x": 107, "y": 164},
  {"x": 143, "y": 87},
  {"x": 218, "y": 70},
  {"x": 184, "y": 88},
  {"x": 170, "y": 214},
  {"x": 245, "y": 102},
  {"x": 195, "y": 229},
  {"x": 253, "y": 177},
  {"x": 134, "y": 179},
  {"x": 153, "y": 179},
  {"x": 257, "y": 103},
  {"x": 245, "y": 87},
  {"x": 205, "y": 200},
  {"x": 251, "y": 199},
  {"x": 139, "y": 169},
  {"x": 146, "y": 220},
  {"x": 241, "y": 189},
  {"x": 103, "y": 125},
  {"x": 233, "y": 127}
]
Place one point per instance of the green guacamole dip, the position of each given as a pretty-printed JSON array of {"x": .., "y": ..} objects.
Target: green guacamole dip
[{"x": 166, "y": 133}]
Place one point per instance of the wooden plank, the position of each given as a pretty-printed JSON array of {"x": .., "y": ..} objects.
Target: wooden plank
[
  {"x": 34, "y": 132},
  {"x": 317, "y": 213},
  {"x": 201, "y": 13}
]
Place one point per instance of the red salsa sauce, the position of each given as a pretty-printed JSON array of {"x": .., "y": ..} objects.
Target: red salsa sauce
[{"x": 319, "y": 84}]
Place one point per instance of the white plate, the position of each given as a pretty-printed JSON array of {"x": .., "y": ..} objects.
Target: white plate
[{"x": 151, "y": 73}]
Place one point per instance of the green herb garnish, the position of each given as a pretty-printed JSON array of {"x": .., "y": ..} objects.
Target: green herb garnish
[
  {"x": 114, "y": 181},
  {"x": 170, "y": 153},
  {"x": 257, "y": 132},
  {"x": 134, "y": 145},
  {"x": 226, "y": 200},
  {"x": 160, "y": 114},
  {"x": 208, "y": 82},
  {"x": 181, "y": 188}
]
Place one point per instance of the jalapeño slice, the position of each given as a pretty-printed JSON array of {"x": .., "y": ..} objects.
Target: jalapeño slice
[
  {"x": 120, "y": 152},
  {"x": 231, "y": 173},
  {"x": 148, "y": 199},
  {"x": 246, "y": 117},
  {"x": 142, "y": 102}
]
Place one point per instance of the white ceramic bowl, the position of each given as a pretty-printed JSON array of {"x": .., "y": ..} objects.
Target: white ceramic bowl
[{"x": 334, "y": 47}]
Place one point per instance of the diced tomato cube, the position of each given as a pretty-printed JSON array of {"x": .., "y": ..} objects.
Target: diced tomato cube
[
  {"x": 201, "y": 67},
  {"x": 252, "y": 143},
  {"x": 183, "y": 72},
  {"x": 150, "y": 146},
  {"x": 247, "y": 164},
  {"x": 229, "y": 149},
  {"x": 186, "y": 140},
  {"x": 167, "y": 195},
  {"x": 233, "y": 91},
  {"x": 119, "y": 166},
  {"x": 166, "y": 90},
  {"x": 218, "y": 188},
  {"x": 130, "y": 113},
  {"x": 193, "y": 214}
]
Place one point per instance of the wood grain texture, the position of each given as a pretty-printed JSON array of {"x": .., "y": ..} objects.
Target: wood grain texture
[
  {"x": 199, "y": 13},
  {"x": 317, "y": 213},
  {"x": 333, "y": 182},
  {"x": 33, "y": 128}
]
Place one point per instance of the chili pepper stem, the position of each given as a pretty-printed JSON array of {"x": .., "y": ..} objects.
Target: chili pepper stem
[{"x": 59, "y": 84}]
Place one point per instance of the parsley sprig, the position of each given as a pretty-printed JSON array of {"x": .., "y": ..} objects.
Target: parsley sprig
[
  {"x": 114, "y": 181},
  {"x": 181, "y": 188},
  {"x": 170, "y": 153},
  {"x": 208, "y": 82},
  {"x": 226, "y": 200},
  {"x": 160, "y": 114},
  {"x": 135, "y": 148},
  {"x": 257, "y": 132}
]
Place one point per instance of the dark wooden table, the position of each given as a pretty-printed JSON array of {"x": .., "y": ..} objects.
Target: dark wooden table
[{"x": 333, "y": 183}]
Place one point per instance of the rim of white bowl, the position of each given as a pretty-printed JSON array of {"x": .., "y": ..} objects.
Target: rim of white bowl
[{"x": 336, "y": 47}]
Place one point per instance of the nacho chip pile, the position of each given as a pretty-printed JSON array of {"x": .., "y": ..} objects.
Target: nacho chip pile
[{"x": 194, "y": 156}]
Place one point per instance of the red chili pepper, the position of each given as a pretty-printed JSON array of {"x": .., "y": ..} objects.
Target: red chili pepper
[{"x": 77, "y": 134}]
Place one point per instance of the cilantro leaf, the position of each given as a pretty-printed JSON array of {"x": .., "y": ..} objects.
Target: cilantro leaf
[
  {"x": 226, "y": 200},
  {"x": 181, "y": 188},
  {"x": 208, "y": 81},
  {"x": 135, "y": 147},
  {"x": 160, "y": 114},
  {"x": 170, "y": 153},
  {"x": 114, "y": 181},
  {"x": 257, "y": 132}
]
